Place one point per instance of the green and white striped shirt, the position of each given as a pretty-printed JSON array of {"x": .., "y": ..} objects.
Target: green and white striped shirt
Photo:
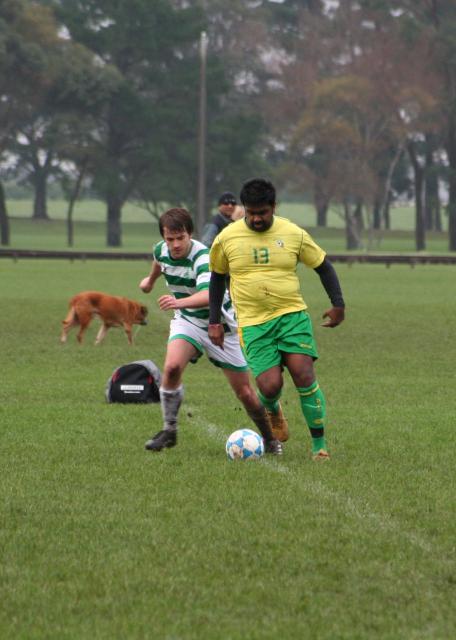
[{"x": 186, "y": 276}]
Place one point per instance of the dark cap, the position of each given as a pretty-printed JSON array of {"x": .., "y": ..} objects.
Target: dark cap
[{"x": 227, "y": 198}]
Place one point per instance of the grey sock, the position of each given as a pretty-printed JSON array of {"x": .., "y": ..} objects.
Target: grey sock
[{"x": 171, "y": 400}]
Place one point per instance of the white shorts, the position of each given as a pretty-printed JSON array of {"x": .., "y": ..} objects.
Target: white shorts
[{"x": 230, "y": 357}]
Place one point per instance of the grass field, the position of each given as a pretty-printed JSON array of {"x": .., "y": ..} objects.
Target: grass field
[
  {"x": 101, "y": 539},
  {"x": 139, "y": 229}
]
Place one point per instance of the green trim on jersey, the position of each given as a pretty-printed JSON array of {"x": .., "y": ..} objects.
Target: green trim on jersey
[
  {"x": 225, "y": 365},
  {"x": 182, "y": 336}
]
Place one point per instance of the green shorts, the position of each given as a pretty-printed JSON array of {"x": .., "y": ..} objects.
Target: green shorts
[{"x": 263, "y": 344}]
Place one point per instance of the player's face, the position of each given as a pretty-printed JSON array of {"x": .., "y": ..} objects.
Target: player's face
[
  {"x": 259, "y": 218},
  {"x": 227, "y": 208},
  {"x": 179, "y": 243}
]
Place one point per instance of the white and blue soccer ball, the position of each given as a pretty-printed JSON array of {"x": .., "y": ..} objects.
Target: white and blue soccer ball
[{"x": 244, "y": 444}]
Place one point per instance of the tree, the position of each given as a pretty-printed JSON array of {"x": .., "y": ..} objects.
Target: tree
[
  {"x": 146, "y": 144},
  {"x": 26, "y": 32},
  {"x": 236, "y": 78},
  {"x": 433, "y": 21},
  {"x": 300, "y": 57},
  {"x": 443, "y": 17},
  {"x": 345, "y": 121},
  {"x": 433, "y": 173},
  {"x": 351, "y": 97},
  {"x": 153, "y": 48},
  {"x": 76, "y": 89}
]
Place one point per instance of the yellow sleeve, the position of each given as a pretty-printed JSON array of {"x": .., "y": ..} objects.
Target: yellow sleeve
[
  {"x": 217, "y": 258},
  {"x": 310, "y": 253}
]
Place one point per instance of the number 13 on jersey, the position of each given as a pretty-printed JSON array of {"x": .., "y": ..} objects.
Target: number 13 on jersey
[{"x": 261, "y": 255}]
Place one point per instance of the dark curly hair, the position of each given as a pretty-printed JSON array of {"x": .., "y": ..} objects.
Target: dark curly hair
[{"x": 258, "y": 191}]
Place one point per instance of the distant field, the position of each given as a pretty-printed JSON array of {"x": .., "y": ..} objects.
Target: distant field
[
  {"x": 402, "y": 218},
  {"x": 101, "y": 539},
  {"x": 140, "y": 229},
  {"x": 86, "y": 210}
]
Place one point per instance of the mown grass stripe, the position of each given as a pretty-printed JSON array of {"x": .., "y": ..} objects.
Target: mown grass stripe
[{"x": 376, "y": 521}]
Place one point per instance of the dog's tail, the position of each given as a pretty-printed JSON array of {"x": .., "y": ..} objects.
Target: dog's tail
[{"x": 71, "y": 317}]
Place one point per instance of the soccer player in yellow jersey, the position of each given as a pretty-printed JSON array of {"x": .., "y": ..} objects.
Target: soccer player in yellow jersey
[{"x": 261, "y": 253}]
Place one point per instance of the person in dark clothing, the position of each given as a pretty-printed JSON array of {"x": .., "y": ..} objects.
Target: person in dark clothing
[{"x": 226, "y": 205}]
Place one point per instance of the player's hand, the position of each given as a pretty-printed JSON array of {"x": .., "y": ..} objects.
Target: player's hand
[
  {"x": 216, "y": 334},
  {"x": 145, "y": 285},
  {"x": 334, "y": 316},
  {"x": 167, "y": 302}
]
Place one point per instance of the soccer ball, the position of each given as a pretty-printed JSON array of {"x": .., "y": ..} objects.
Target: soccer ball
[{"x": 244, "y": 444}]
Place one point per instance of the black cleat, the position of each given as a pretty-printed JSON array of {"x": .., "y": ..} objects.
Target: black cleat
[
  {"x": 161, "y": 440},
  {"x": 274, "y": 447}
]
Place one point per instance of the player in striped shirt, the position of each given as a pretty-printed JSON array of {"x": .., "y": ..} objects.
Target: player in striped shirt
[{"x": 184, "y": 263}]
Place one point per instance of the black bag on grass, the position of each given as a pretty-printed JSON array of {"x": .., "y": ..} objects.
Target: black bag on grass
[{"x": 134, "y": 382}]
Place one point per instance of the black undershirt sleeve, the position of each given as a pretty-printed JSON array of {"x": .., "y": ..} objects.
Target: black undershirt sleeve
[
  {"x": 330, "y": 282},
  {"x": 217, "y": 287}
]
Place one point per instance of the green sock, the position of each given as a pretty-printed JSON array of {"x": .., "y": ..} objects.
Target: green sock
[
  {"x": 271, "y": 404},
  {"x": 313, "y": 406}
]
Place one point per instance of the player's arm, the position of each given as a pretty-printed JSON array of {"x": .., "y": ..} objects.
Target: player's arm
[
  {"x": 216, "y": 293},
  {"x": 195, "y": 301},
  {"x": 331, "y": 284},
  {"x": 147, "y": 283}
]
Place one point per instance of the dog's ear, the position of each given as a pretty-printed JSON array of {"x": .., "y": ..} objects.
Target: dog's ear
[{"x": 144, "y": 310}]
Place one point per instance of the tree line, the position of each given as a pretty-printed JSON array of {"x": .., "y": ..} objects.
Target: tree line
[{"x": 352, "y": 103}]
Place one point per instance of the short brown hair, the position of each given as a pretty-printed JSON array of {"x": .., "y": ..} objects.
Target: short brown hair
[{"x": 176, "y": 219}]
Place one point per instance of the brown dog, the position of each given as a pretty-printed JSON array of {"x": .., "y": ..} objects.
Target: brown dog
[{"x": 114, "y": 311}]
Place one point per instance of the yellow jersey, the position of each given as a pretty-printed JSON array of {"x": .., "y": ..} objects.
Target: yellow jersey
[{"x": 262, "y": 268}]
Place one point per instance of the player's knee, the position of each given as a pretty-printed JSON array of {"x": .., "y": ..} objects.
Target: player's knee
[
  {"x": 246, "y": 395},
  {"x": 271, "y": 389},
  {"x": 173, "y": 370},
  {"x": 305, "y": 378},
  {"x": 270, "y": 383}
]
